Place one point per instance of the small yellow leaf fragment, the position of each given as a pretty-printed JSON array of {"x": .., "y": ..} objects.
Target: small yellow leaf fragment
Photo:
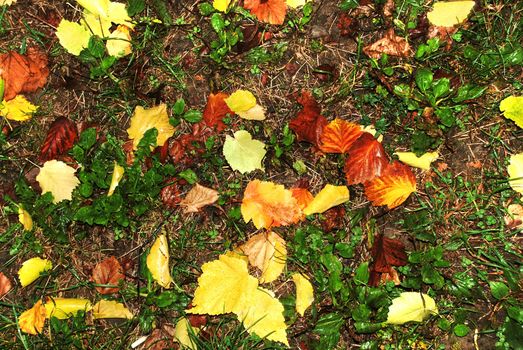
[
  {"x": 18, "y": 109},
  {"x": 422, "y": 162},
  {"x": 59, "y": 179},
  {"x": 243, "y": 153},
  {"x": 118, "y": 14},
  {"x": 118, "y": 172},
  {"x": 198, "y": 197},
  {"x": 266, "y": 251},
  {"x": 144, "y": 119},
  {"x": 63, "y": 308},
  {"x": 25, "y": 219},
  {"x": 158, "y": 262},
  {"x": 330, "y": 196},
  {"x": 119, "y": 42},
  {"x": 7, "y": 2},
  {"x": 371, "y": 129},
  {"x": 304, "y": 293},
  {"x": 32, "y": 321},
  {"x": 31, "y": 270},
  {"x": 181, "y": 333},
  {"x": 241, "y": 101},
  {"x": 96, "y": 7},
  {"x": 72, "y": 36},
  {"x": 450, "y": 13},
  {"x": 221, "y": 5},
  {"x": 255, "y": 113},
  {"x": 295, "y": 3},
  {"x": 515, "y": 172},
  {"x": 512, "y": 108},
  {"x": 111, "y": 309},
  {"x": 411, "y": 306}
]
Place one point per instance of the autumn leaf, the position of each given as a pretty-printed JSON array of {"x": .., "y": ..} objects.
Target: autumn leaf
[
  {"x": 513, "y": 219},
  {"x": 32, "y": 321},
  {"x": 367, "y": 159},
  {"x": 96, "y": 25},
  {"x": 63, "y": 308},
  {"x": 515, "y": 172},
  {"x": 32, "y": 269},
  {"x": 18, "y": 109},
  {"x": 392, "y": 187},
  {"x": 308, "y": 124},
  {"x": 144, "y": 119},
  {"x": 7, "y": 2},
  {"x": 512, "y": 108},
  {"x": 198, "y": 197},
  {"x": 243, "y": 153},
  {"x": 111, "y": 309},
  {"x": 295, "y": 3},
  {"x": 170, "y": 194},
  {"x": 304, "y": 293},
  {"x": 338, "y": 136},
  {"x": 73, "y": 36},
  {"x": 386, "y": 253},
  {"x": 302, "y": 196},
  {"x": 269, "y": 205},
  {"x": 59, "y": 179},
  {"x": 5, "y": 285},
  {"x": 268, "y": 11},
  {"x": 221, "y": 5},
  {"x": 330, "y": 196},
  {"x": 158, "y": 262},
  {"x": 215, "y": 110},
  {"x": 449, "y": 13},
  {"x": 25, "y": 219},
  {"x": 423, "y": 162},
  {"x": 390, "y": 44},
  {"x": 181, "y": 333},
  {"x": 411, "y": 306},
  {"x": 118, "y": 172},
  {"x": 333, "y": 218},
  {"x": 108, "y": 272},
  {"x": 119, "y": 42},
  {"x": 61, "y": 136},
  {"x": 96, "y": 7},
  {"x": 240, "y": 101}
]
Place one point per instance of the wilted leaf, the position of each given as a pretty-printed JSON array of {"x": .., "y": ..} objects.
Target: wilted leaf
[
  {"x": 198, "y": 197},
  {"x": 308, "y": 124},
  {"x": 59, "y": 179},
  {"x": 268, "y": 253},
  {"x": 304, "y": 293},
  {"x": 18, "y": 109},
  {"x": 181, "y": 334},
  {"x": 73, "y": 36},
  {"x": 108, "y": 272},
  {"x": 411, "y": 306},
  {"x": 422, "y": 162},
  {"x": 32, "y": 269},
  {"x": 514, "y": 217},
  {"x": 268, "y": 11},
  {"x": 119, "y": 42},
  {"x": 118, "y": 172},
  {"x": 241, "y": 101},
  {"x": 32, "y": 321},
  {"x": 512, "y": 108},
  {"x": 158, "y": 262},
  {"x": 63, "y": 308},
  {"x": 268, "y": 204},
  {"x": 147, "y": 118},
  {"x": 330, "y": 196},
  {"x": 215, "y": 110},
  {"x": 243, "y": 153},
  {"x": 390, "y": 44},
  {"x": 303, "y": 196},
  {"x": 449, "y": 13},
  {"x": 392, "y": 187},
  {"x": 339, "y": 135},
  {"x": 367, "y": 159},
  {"x": 515, "y": 172},
  {"x": 25, "y": 219},
  {"x": 221, "y": 5},
  {"x": 111, "y": 309},
  {"x": 61, "y": 136},
  {"x": 5, "y": 285},
  {"x": 386, "y": 253}
]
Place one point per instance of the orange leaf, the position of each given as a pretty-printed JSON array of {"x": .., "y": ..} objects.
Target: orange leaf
[
  {"x": 198, "y": 197},
  {"x": 366, "y": 160},
  {"x": 308, "y": 124},
  {"x": 268, "y": 11},
  {"x": 393, "y": 187},
  {"x": 338, "y": 136},
  {"x": 303, "y": 196},
  {"x": 32, "y": 321},
  {"x": 215, "y": 110},
  {"x": 390, "y": 44},
  {"x": 5, "y": 285},
  {"x": 109, "y": 272}
]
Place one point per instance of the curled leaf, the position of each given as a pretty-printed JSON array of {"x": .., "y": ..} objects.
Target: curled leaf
[
  {"x": 118, "y": 172},
  {"x": 25, "y": 219},
  {"x": 63, "y": 308},
  {"x": 32, "y": 321},
  {"x": 304, "y": 292},
  {"x": 422, "y": 162},
  {"x": 330, "y": 196},
  {"x": 411, "y": 306},
  {"x": 268, "y": 253},
  {"x": 111, "y": 309},
  {"x": 32, "y": 269},
  {"x": 59, "y": 179},
  {"x": 158, "y": 262}
]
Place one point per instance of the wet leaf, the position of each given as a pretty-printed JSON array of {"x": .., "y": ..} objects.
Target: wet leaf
[
  {"x": 512, "y": 108},
  {"x": 18, "y": 109},
  {"x": 390, "y": 44},
  {"x": 330, "y": 196},
  {"x": 386, "y": 253},
  {"x": 392, "y": 187},
  {"x": 198, "y": 197},
  {"x": 367, "y": 159},
  {"x": 268, "y": 11},
  {"x": 63, "y": 308},
  {"x": 61, "y": 136},
  {"x": 32, "y": 321},
  {"x": 308, "y": 124},
  {"x": 108, "y": 272},
  {"x": 243, "y": 153},
  {"x": 144, "y": 119},
  {"x": 515, "y": 172},
  {"x": 339, "y": 135},
  {"x": 5, "y": 285},
  {"x": 422, "y": 162},
  {"x": 215, "y": 110},
  {"x": 32, "y": 269},
  {"x": 411, "y": 306},
  {"x": 158, "y": 262},
  {"x": 111, "y": 309},
  {"x": 449, "y": 13},
  {"x": 59, "y": 179},
  {"x": 304, "y": 293}
]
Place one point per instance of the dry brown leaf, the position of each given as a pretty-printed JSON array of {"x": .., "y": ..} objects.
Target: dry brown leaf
[
  {"x": 390, "y": 44},
  {"x": 198, "y": 197},
  {"x": 514, "y": 219},
  {"x": 108, "y": 272},
  {"x": 5, "y": 285}
]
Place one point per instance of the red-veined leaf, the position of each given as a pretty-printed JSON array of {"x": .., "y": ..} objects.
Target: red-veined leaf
[
  {"x": 61, "y": 136},
  {"x": 366, "y": 160},
  {"x": 393, "y": 187},
  {"x": 338, "y": 136},
  {"x": 308, "y": 124}
]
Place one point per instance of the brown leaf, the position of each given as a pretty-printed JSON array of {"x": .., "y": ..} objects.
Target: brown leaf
[
  {"x": 110, "y": 272},
  {"x": 308, "y": 124},
  {"x": 390, "y": 44},
  {"x": 170, "y": 194},
  {"x": 61, "y": 136},
  {"x": 333, "y": 218},
  {"x": 215, "y": 110},
  {"x": 5, "y": 285},
  {"x": 367, "y": 159},
  {"x": 253, "y": 35},
  {"x": 444, "y": 34},
  {"x": 198, "y": 197},
  {"x": 158, "y": 340},
  {"x": 386, "y": 252},
  {"x": 347, "y": 25},
  {"x": 326, "y": 73}
]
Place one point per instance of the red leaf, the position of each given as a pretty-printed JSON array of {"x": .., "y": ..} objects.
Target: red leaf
[
  {"x": 197, "y": 320},
  {"x": 215, "y": 110},
  {"x": 392, "y": 187},
  {"x": 333, "y": 218},
  {"x": 5, "y": 285},
  {"x": 339, "y": 135},
  {"x": 386, "y": 252},
  {"x": 366, "y": 160},
  {"x": 61, "y": 136},
  {"x": 308, "y": 124},
  {"x": 108, "y": 272},
  {"x": 170, "y": 194},
  {"x": 268, "y": 11}
]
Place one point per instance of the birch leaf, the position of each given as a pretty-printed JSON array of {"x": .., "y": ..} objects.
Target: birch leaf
[
  {"x": 515, "y": 172},
  {"x": 449, "y": 13},
  {"x": 330, "y": 196},
  {"x": 304, "y": 293},
  {"x": 512, "y": 108},
  {"x": 32, "y": 269},
  {"x": 72, "y": 36},
  {"x": 111, "y": 309},
  {"x": 411, "y": 306},
  {"x": 158, "y": 262},
  {"x": 255, "y": 113},
  {"x": 144, "y": 119},
  {"x": 241, "y": 101},
  {"x": 181, "y": 333},
  {"x": 119, "y": 42},
  {"x": 18, "y": 109},
  {"x": 221, "y": 5},
  {"x": 243, "y": 153},
  {"x": 59, "y": 179}
]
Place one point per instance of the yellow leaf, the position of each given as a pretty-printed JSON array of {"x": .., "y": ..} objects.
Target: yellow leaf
[
  {"x": 63, "y": 308},
  {"x": 96, "y": 7},
  {"x": 255, "y": 113},
  {"x": 118, "y": 172},
  {"x": 111, "y": 309},
  {"x": 243, "y": 153},
  {"x": 59, "y": 179},
  {"x": 31, "y": 270},
  {"x": 221, "y": 5},
  {"x": 304, "y": 293},
  {"x": 118, "y": 14},
  {"x": 411, "y": 306},
  {"x": 267, "y": 252},
  {"x": 224, "y": 286},
  {"x": 25, "y": 219},
  {"x": 330, "y": 196},
  {"x": 72, "y": 36},
  {"x": 158, "y": 262},
  {"x": 7, "y": 2},
  {"x": 198, "y": 197},
  {"x": 512, "y": 108},
  {"x": 263, "y": 316},
  {"x": 295, "y": 3},
  {"x": 144, "y": 119},
  {"x": 240, "y": 101},
  {"x": 449, "y": 13},
  {"x": 422, "y": 162},
  {"x": 515, "y": 172},
  {"x": 32, "y": 321},
  {"x": 119, "y": 42},
  {"x": 181, "y": 333},
  {"x": 18, "y": 109},
  {"x": 96, "y": 25}
]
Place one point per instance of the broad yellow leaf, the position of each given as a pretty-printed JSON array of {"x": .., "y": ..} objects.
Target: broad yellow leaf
[
  {"x": 147, "y": 118},
  {"x": 96, "y": 7},
  {"x": 450, "y": 13},
  {"x": 158, "y": 262},
  {"x": 59, "y": 179},
  {"x": 32, "y": 321},
  {"x": 304, "y": 293},
  {"x": 18, "y": 109},
  {"x": 267, "y": 252},
  {"x": 422, "y": 162},
  {"x": 118, "y": 14},
  {"x": 119, "y": 42},
  {"x": 512, "y": 108},
  {"x": 198, "y": 197},
  {"x": 411, "y": 306},
  {"x": 515, "y": 172},
  {"x": 181, "y": 333},
  {"x": 96, "y": 25},
  {"x": 221, "y": 5},
  {"x": 111, "y": 309},
  {"x": 224, "y": 286},
  {"x": 263, "y": 316},
  {"x": 7, "y": 2},
  {"x": 31, "y": 270},
  {"x": 118, "y": 172},
  {"x": 255, "y": 113},
  {"x": 243, "y": 153},
  {"x": 241, "y": 101},
  {"x": 25, "y": 219},
  {"x": 295, "y": 3},
  {"x": 63, "y": 308},
  {"x": 72, "y": 36},
  {"x": 330, "y": 196}
]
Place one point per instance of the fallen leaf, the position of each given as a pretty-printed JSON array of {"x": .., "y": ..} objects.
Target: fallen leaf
[
  {"x": 243, "y": 153},
  {"x": 240, "y": 101},
  {"x": 422, "y": 162},
  {"x": 73, "y": 36},
  {"x": 63, "y": 308},
  {"x": 198, "y": 197},
  {"x": 308, "y": 124},
  {"x": 333, "y": 218},
  {"x": 330, "y": 196},
  {"x": 18, "y": 109},
  {"x": 25, "y": 219},
  {"x": 449, "y": 13},
  {"x": 111, "y": 309},
  {"x": 295, "y": 3},
  {"x": 32, "y": 269},
  {"x": 255, "y": 113},
  {"x": 7, "y": 2},
  {"x": 32, "y": 321},
  {"x": 59, "y": 179},
  {"x": 147, "y": 118},
  {"x": 158, "y": 340},
  {"x": 96, "y": 7},
  {"x": 119, "y": 42},
  {"x": 5, "y": 285},
  {"x": 158, "y": 262},
  {"x": 61, "y": 136},
  {"x": 267, "y": 252},
  {"x": 221, "y": 5},
  {"x": 268, "y": 11},
  {"x": 386, "y": 253},
  {"x": 392, "y": 187},
  {"x": 302, "y": 196},
  {"x": 95, "y": 24},
  {"x": 367, "y": 159},
  {"x": 108, "y": 272},
  {"x": 269, "y": 205},
  {"x": 339, "y": 135},
  {"x": 513, "y": 219},
  {"x": 181, "y": 334},
  {"x": 304, "y": 293},
  {"x": 118, "y": 172},
  {"x": 170, "y": 194},
  {"x": 411, "y": 306},
  {"x": 515, "y": 172},
  {"x": 512, "y": 108},
  {"x": 215, "y": 110},
  {"x": 390, "y": 44}
]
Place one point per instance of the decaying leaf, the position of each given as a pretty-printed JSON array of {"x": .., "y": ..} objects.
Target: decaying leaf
[
  {"x": 108, "y": 272},
  {"x": 158, "y": 262},
  {"x": 170, "y": 194},
  {"x": 59, "y": 179},
  {"x": 367, "y": 159},
  {"x": 5, "y": 285},
  {"x": 215, "y": 110},
  {"x": 119, "y": 42},
  {"x": 25, "y": 219},
  {"x": 513, "y": 219},
  {"x": 449, "y": 13},
  {"x": 308, "y": 124},
  {"x": 390, "y": 44},
  {"x": 32, "y": 321},
  {"x": 268, "y": 11},
  {"x": 339, "y": 135},
  {"x": 422, "y": 162},
  {"x": 181, "y": 333},
  {"x": 386, "y": 253},
  {"x": 330, "y": 196},
  {"x": 411, "y": 306},
  {"x": 118, "y": 172},
  {"x": 512, "y": 108},
  {"x": 32, "y": 269},
  {"x": 198, "y": 197},
  {"x": 18, "y": 109},
  {"x": 515, "y": 172},
  {"x": 266, "y": 251},
  {"x": 61, "y": 136},
  {"x": 147, "y": 118},
  {"x": 304, "y": 293},
  {"x": 392, "y": 187},
  {"x": 63, "y": 308},
  {"x": 111, "y": 309},
  {"x": 243, "y": 153}
]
